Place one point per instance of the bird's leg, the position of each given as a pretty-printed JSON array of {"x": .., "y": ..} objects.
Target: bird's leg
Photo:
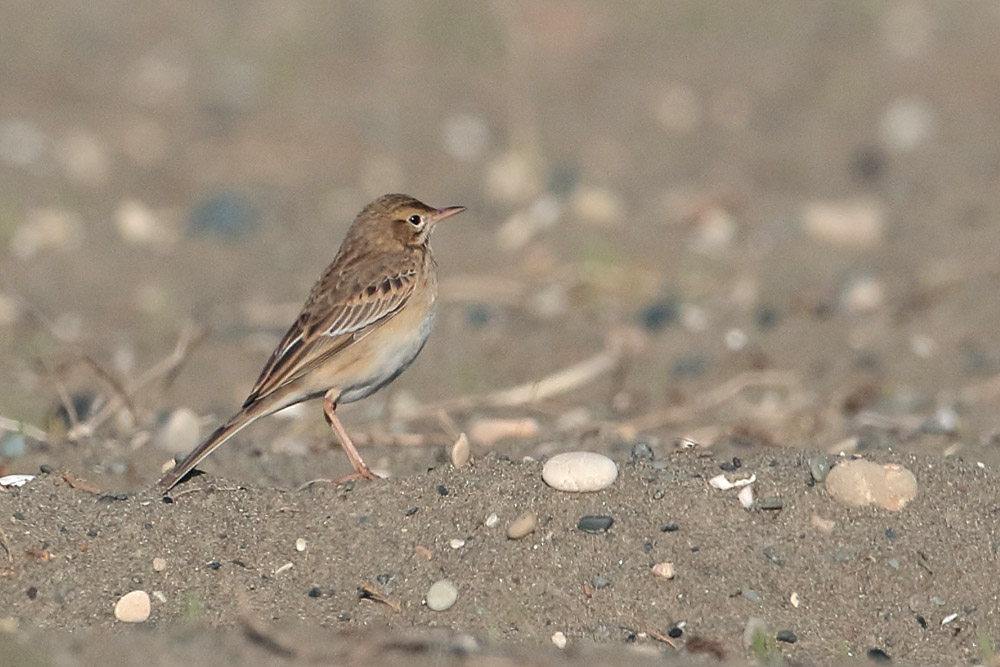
[{"x": 361, "y": 470}]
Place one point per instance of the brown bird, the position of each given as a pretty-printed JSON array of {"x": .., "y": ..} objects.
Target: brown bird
[{"x": 364, "y": 322}]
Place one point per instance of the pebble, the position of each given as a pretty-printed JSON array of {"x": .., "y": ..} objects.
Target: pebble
[
  {"x": 301, "y": 544},
  {"x": 441, "y": 595},
  {"x": 862, "y": 295},
  {"x": 859, "y": 483},
  {"x": 819, "y": 467},
  {"x": 47, "y": 229},
  {"x": 460, "y": 451},
  {"x": 641, "y": 450},
  {"x": 750, "y": 594},
  {"x": 786, "y": 636},
  {"x": 488, "y": 431},
  {"x": 225, "y": 215},
  {"x": 457, "y": 543},
  {"x": 579, "y": 472},
  {"x": 658, "y": 315},
  {"x": 159, "y": 596},
  {"x": 878, "y": 655},
  {"x": 559, "y": 639},
  {"x": 595, "y": 523},
  {"x": 12, "y": 445},
  {"x": 180, "y": 433},
  {"x": 858, "y": 224},
  {"x": 771, "y": 503},
  {"x": 598, "y": 206},
  {"x": 138, "y": 226},
  {"x": 714, "y": 232},
  {"x": 669, "y": 528},
  {"x": 492, "y": 520},
  {"x": 664, "y": 570},
  {"x": 522, "y": 526},
  {"x": 159, "y": 564},
  {"x": 133, "y": 607}
]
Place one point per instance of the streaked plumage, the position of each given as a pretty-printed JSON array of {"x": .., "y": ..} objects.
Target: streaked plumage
[{"x": 363, "y": 323}]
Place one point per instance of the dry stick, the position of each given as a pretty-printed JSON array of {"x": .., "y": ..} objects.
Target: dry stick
[
  {"x": 114, "y": 383},
  {"x": 6, "y": 546},
  {"x": 7, "y": 424},
  {"x": 551, "y": 385},
  {"x": 64, "y": 398},
  {"x": 716, "y": 396},
  {"x": 189, "y": 338},
  {"x": 366, "y": 592}
]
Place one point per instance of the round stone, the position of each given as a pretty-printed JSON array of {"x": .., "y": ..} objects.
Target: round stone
[
  {"x": 579, "y": 472},
  {"x": 595, "y": 523},
  {"x": 441, "y": 595},
  {"x": 159, "y": 564},
  {"x": 859, "y": 483},
  {"x": 133, "y": 607},
  {"x": 522, "y": 525}
]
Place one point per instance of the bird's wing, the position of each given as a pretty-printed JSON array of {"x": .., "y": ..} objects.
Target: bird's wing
[{"x": 328, "y": 325}]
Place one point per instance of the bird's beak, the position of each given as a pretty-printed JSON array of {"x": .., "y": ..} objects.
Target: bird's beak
[{"x": 442, "y": 213}]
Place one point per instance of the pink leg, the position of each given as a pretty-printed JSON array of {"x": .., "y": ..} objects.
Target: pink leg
[{"x": 361, "y": 470}]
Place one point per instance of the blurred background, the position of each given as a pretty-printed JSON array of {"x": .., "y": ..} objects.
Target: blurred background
[{"x": 754, "y": 226}]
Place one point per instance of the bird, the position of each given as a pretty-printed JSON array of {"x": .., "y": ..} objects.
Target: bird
[{"x": 364, "y": 322}]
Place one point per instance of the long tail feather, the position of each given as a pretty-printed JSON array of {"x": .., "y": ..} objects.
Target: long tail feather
[{"x": 236, "y": 423}]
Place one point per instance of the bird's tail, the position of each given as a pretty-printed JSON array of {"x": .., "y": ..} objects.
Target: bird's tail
[{"x": 236, "y": 423}]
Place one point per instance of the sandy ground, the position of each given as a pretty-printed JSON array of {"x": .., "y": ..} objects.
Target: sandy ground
[{"x": 783, "y": 218}]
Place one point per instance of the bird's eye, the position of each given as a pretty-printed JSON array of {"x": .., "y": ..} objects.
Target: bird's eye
[{"x": 415, "y": 219}]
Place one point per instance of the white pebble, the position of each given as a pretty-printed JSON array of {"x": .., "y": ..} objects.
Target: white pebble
[
  {"x": 441, "y": 595},
  {"x": 492, "y": 520},
  {"x": 159, "y": 596},
  {"x": 849, "y": 224},
  {"x": 180, "y": 433},
  {"x": 559, "y": 639},
  {"x": 460, "y": 451},
  {"x": 301, "y": 544},
  {"x": 794, "y": 599},
  {"x": 736, "y": 340},
  {"x": 579, "y": 472},
  {"x": 664, "y": 570},
  {"x": 133, "y": 607},
  {"x": 457, "y": 543}
]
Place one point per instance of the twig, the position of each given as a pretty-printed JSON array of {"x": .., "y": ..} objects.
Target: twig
[
  {"x": 33, "y": 432},
  {"x": 80, "y": 485},
  {"x": 166, "y": 369},
  {"x": 551, "y": 385},
  {"x": 6, "y": 546},
  {"x": 114, "y": 383},
  {"x": 366, "y": 592},
  {"x": 710, "y": 399},
  {"x": 660, "y": 636}
]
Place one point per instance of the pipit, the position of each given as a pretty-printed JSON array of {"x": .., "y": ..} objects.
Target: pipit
[{"x": 363, "y": 323}]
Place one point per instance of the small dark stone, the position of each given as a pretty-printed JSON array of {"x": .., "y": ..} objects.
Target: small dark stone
[
  {"x": 92, "y": 532},
  {"x": 647, "y": 546},
  {"x": 669, "y": 528},
  {"x": 695, "y": 550},
  {"x": 674, "y": 632},
  {"x": 786, "y": 636},
  {"x": 344, "y": 616},
  {"x": 771, "y": 504},
  {"x": 478, "y": 315},
  {"x": 922, "y": 621},
  {"x": 32, "y": 593},
  {"x": 147, "y": 526},
  {"x": 767, "y": 317},
  {"x": 412, "y": 511},
  {"x": 225, "y": 214},
  {"x": 891, "y": 534},
  {"x": 363, "y": 519},
  {"x": 214, "y": 565},
  {"x": 19, "y": 516},
  {"x": 315, "y": 592},
  {"x": 167, "y": 500},
  {"x": 878, "y": 655},
  {"x": 688, "y": 366},
  {"x": 237, "y": 561},
  {"x": 112, "y": 497},
  {"x": 739, "y": 464},
  {"x": 867, "y": 164},
  {"x": 728, "y": 466},
  {"x": 442, "y": 490},
  {"x": 641, "y": 450},
  {"x": 383, "y": 578},
  {"x": 347, "y": 486},
  {"x": 658, "y": 315},
  {"x": 45, "y": 469},
  {"x": 595, "y": 523}
]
